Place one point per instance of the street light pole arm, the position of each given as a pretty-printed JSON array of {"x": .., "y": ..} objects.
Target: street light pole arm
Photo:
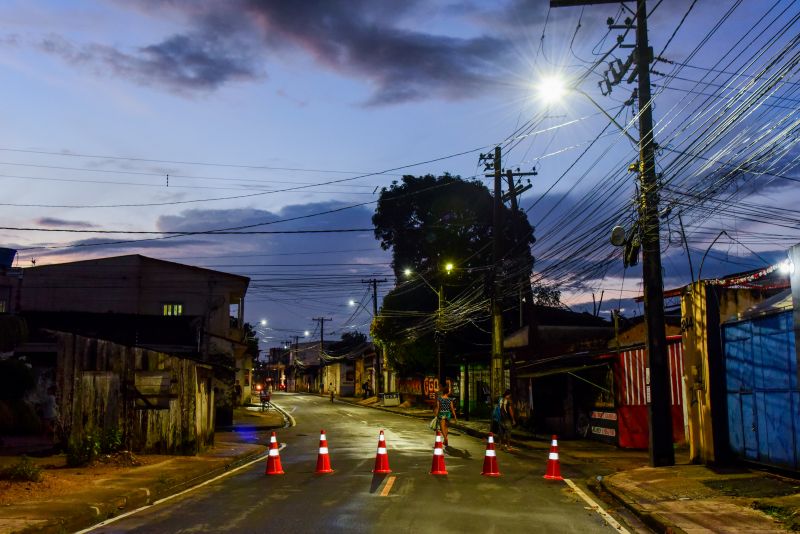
[{"x": 608, "y": 115}]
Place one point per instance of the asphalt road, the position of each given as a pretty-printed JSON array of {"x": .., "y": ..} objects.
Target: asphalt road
[{"x": 353, "y": 500}]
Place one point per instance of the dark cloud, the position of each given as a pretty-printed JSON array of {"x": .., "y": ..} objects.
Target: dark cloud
[
  {"x": 196, "y": 61},
  {"x": 230, "y": 41},
  {"x": 52, "y": 221}
]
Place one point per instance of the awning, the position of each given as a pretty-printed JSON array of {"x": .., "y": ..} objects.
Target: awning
[{"x": 559, "y": 370}]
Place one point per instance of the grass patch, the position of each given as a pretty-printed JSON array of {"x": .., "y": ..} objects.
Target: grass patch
[
  {"x": 22, "y": 471},
  {"x": 788, "y": 517}
]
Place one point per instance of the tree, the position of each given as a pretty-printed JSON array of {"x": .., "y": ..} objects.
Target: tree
[{"x": 427, "y": 221}]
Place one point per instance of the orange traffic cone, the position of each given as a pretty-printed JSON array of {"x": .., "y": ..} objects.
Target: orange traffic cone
[
  {"x": 274, "y": 458},
  {"x": 553, "y": 467},
  {"x": 437, "y": 466},
  {"x": 381, "y": 458},
  {"x": 490, "y": 459},
  {"x": 323, "y": 460}
]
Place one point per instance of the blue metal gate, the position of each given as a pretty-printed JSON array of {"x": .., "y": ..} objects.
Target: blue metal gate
[{"x": 762, "y": 389}]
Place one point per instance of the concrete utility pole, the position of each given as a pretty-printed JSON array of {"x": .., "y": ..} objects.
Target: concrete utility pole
[
  {"x": 660, "y": 421},
  {"x": 378, "y": 355}
]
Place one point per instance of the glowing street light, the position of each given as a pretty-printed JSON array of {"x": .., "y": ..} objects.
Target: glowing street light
[
  {"x": 263, "y": 322},
  {"x": 448, "y": 268}
]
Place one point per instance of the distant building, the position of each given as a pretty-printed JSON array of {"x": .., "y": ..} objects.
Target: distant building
[{"x": 158, "y": 305}]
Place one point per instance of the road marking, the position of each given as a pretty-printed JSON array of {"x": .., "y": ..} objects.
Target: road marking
[
  {"x": 259, "y": 458},
  {"x": 596, "y": 507},
  {"x": 388, "y": 487}
]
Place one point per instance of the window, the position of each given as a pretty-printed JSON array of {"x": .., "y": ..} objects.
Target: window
[{"x": 173, "y": 309}]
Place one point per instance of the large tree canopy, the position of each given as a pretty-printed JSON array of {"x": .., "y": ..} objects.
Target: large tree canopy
[{"x": 430, "y": 221}]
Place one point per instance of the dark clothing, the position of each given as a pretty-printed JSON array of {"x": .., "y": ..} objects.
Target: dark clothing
[{"x": 445, "y": 408}]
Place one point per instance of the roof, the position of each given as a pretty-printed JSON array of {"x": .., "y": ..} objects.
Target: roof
[
  {"x": 775, "y": 304},
  {"x": 111, "y": 260}
]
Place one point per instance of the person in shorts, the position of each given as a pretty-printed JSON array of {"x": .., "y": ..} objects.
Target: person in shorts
[{"x": 445, "y": 410}]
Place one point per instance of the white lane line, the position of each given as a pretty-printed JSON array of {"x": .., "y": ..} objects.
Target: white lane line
[
  {"x": 259, "y": 458},
  {"x": 596, "y": 507}
]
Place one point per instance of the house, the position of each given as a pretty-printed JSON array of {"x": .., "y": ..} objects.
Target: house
[
  {"x": 549, "y": 364},
  {"x": 347, "y": 371},
  {"x": 761, "y": 383},
  {"x": 162, "y": 306},
  {"x": 705, "y": 306}
]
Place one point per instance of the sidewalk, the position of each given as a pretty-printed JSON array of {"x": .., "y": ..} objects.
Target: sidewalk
[
  {"x": 69, "y": 499},
  {"x": 682, "y": 498}
]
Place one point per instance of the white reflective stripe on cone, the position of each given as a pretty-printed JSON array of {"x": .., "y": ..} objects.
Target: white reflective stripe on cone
[
  {"x": 322, "y": 437},
  {"x": 323, "y": 450},
  {"x": 273, "y": 452},
  {"x": 438, "y": 452},
  {"x": 381, "y": 450},
  {"x": 438, "y": 439},
  {"x": 272, "y": 439},
  {"x": 381, "y": 438},
  {"x": 491, "y": 439},
  {"x": 490, "y": 453},
  {"x": 553, "y": 456},
  {"x": 554, "y": 443}
]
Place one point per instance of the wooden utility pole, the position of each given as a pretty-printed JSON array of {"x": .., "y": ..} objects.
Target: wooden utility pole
[
  {"x": 661, "y": 448},
  {"x": 321, "y": 321},
  {"x": 660, "y": 421},
  {"x": 496, "y": 367},
  {"x": 378, "y": 355}
]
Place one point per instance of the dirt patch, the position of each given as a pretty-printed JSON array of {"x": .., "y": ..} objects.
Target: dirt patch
[
  {"x": 58, "y": 479},
  {"x": 753, "y": 487}
]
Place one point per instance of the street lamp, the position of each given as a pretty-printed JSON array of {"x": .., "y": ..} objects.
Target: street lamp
[
  {"x": 439, "y": 331},
  {"x": 553, "y": 89}
]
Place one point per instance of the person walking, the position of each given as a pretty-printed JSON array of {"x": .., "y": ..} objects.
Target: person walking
[
  {"x": 506, "y": 419},
  {"x": 445, "y": 410}
]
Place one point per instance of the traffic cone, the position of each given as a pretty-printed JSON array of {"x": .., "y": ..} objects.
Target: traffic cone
[
  {"x": 323, "y": 460},
  {"x": 490, "y": 459},
  {"x": 553, "y": 467},
  {"x": 274, "y": 458},
  {"x": 381, "y": 458},
  {"x": 437, "y": 466}
]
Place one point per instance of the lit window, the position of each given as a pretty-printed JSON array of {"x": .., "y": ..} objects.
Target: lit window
[{"x": 173, "y": 309}]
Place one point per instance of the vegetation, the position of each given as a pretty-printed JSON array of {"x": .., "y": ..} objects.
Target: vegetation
[
  {"x": 22, "y": 471},
  {"x": 13, "y": 331},
  {"x": 430, "y": 221}
]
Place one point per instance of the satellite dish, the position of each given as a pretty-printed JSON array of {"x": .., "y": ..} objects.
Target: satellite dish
[{"x": 618, "y": 236}]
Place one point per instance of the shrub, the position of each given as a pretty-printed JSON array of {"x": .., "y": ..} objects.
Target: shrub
[
  {"x": 24, "y": 470},
  {"x": 83, "y": 452},
  {"x": 112, "y": 441}
]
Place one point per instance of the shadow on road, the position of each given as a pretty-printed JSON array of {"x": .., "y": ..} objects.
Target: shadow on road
[
  {"x": 377, "y": 480},
  {"x": 458, "y": 453}
]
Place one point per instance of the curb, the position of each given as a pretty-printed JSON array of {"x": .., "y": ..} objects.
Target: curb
[
  {"x": 654, "y": 521},
  {"x": 97, "y": 512}
]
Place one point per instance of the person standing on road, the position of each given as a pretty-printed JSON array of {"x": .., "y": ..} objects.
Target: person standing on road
[
  {"x": 445, "y": 410},
  {"x": 507, "y": 420}
]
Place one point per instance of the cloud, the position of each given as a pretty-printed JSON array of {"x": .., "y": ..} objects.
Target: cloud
[
  {"x": 195, "y": 61},
  {"x": 52, "y": 221},
  {"x": 365, "y": 39}
]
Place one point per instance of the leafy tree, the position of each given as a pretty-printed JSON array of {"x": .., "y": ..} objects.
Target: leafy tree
[
  {"x": 428, "y": 221},
  {"x": 348, "y": 342}
]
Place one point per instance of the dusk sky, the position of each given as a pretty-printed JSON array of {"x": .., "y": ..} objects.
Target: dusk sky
[{"x": 193, "y": 115}]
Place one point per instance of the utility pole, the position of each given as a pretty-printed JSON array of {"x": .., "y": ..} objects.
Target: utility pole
[
  {"x": 496, "y": 164},
  {"x": 515, "y": 190},
  {"x": 378, "y": 355},
  {"x": 321, "y": 321},
  {"x": 661, "y": 448},
  {"x": 496, "y": 368},
  {"x": 662, "y": 452}
]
